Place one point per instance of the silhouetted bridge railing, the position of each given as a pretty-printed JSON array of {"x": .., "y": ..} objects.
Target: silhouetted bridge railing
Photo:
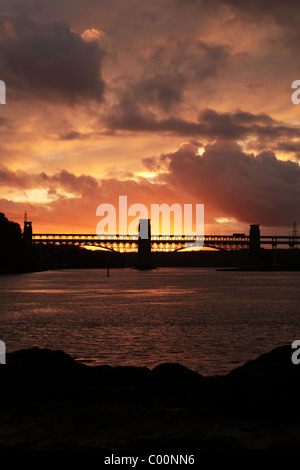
[{"x": 130, "y": 243}]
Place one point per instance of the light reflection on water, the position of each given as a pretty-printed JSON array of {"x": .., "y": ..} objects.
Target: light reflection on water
[{"x": 208, "y": 321}]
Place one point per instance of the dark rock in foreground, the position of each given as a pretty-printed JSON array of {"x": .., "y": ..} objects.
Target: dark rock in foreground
[
  {"x": 50, "y": 401},
  {"x": 263, "y": 389}
]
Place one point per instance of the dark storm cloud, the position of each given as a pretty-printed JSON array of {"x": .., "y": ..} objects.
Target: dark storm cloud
[
  {"x": 64, "y": 180},
  {"x": 193, "y": 60},
  {"x": 74, "y": 135},
  {"x": 239, "y": 125},
  {"x": 268, "y": 8},
  {"x": 49, "y": 60},
  {"x": 18, "y": 179},
  {"x": 169, "y": 71},
  {"x": 129, "y": 117},
  {"x": 252, "y": 189},
  {"x": 162, "y": 91},
  {"x": 211, "y": 125},
  {"x": 285, "y": 14},
  {"x": 258, "y": 10}
]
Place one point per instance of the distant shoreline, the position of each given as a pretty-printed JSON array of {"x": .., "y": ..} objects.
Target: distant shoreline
[{"x": 217, "y": 268}]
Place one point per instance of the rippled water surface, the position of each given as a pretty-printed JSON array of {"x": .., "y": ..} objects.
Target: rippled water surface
[{"x": 210, "y": 321}]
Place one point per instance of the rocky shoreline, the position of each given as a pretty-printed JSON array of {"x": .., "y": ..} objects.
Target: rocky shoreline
[{"x": 50, "y": 401}]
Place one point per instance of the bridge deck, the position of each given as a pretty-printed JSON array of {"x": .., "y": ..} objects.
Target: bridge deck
[{"x": 163, "y": 242}]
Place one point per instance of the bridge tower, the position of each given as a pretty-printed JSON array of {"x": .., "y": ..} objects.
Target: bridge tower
[
  {"x": 144, "y": 257},
  {"x": 254, "y": 242},
  {"x": 27, "y": 232},
  {"x": 295, "y": 231},
  {"x": 295, "y": 234}
]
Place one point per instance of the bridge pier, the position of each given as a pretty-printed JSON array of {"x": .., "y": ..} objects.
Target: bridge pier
[
  {"x": 254, "y": 243},
  {"x": 144, "y": 256}
]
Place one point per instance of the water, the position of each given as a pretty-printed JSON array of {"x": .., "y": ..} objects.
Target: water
[{"x": 207, "y": 320}]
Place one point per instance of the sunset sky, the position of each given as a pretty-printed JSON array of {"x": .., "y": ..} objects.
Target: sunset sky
[{"x": 164, "y": 101}]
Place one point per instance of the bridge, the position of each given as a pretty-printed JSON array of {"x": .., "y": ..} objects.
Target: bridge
[
  {"x": 160, "y": 243},
  {"x": 130, "y": 243},
  {"x": 145, "y": 246}
]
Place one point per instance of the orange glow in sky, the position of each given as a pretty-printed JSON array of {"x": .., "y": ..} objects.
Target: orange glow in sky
[{"x": 123, "y": 98}]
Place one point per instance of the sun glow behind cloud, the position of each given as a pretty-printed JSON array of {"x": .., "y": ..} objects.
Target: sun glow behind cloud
[
  {"x": 38, "y": 196},
  {"x": 225, "y": 220},
  {"x": 144, "y": 175}
]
